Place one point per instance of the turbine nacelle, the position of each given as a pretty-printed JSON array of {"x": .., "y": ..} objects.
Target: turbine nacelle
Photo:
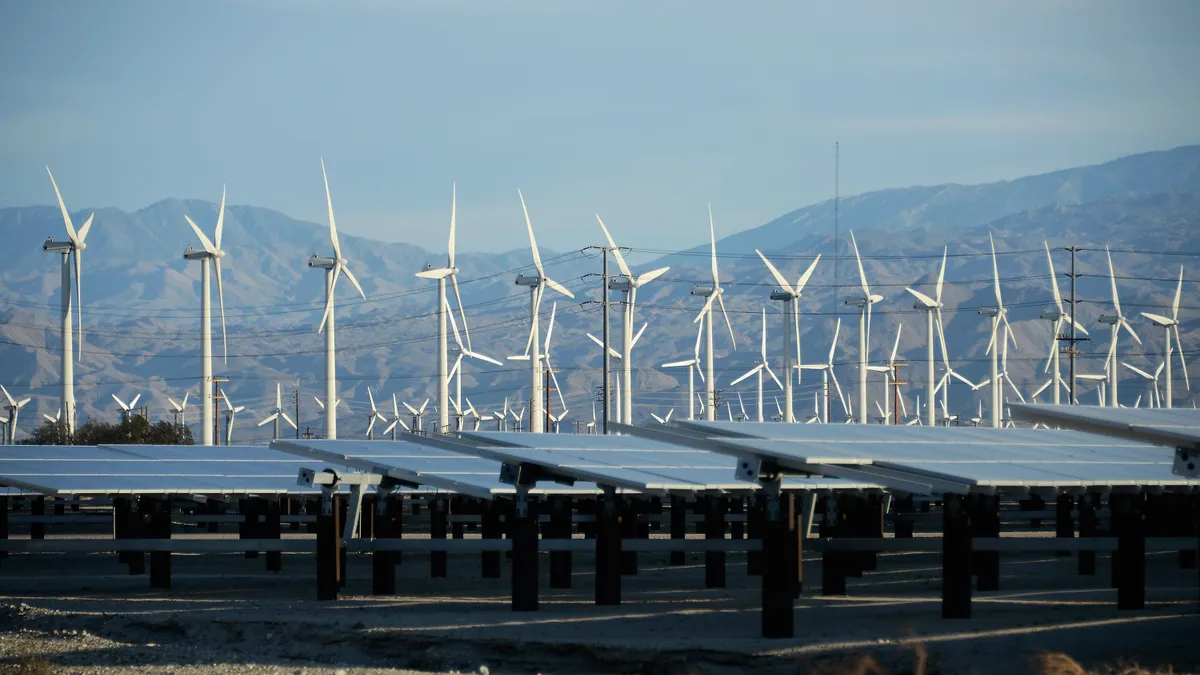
[
  {"x": 529, "y": 281},
  {"x": 63, "y": 247},
  {"x": 702, "y": 291},
  {"x": 322, "y": 262}
]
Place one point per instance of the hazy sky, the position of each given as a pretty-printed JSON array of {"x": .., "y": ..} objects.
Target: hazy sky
[{"x": 641, "y": 111}]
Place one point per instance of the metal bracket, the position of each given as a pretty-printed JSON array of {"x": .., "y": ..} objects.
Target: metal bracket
[
  {"x": 526, "y": 475},
  {"x": 1187, "y": 463}
]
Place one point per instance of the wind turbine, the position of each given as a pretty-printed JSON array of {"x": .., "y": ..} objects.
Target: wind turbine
[
  {"x": 1171, "y": 324},
  {"x": 14, "y": 409},
  {"x": 334, "y": 267},
  {"x": 126, "y": 408},
  {"x": 758, "y": 370},
  {"x": 1058, "y": 317},
  {"x": 71, "y": 251},
  {"x": 536, "y": 284},
  {"x": 417, "y": 426},
  {"x": 712, "y": 293},
  {"x": 864, "y": 330},
  {"x": 826, "y": 374},
  {"x": 54, "y": 419},
  {"x": 629, "y": 286},
  {"x": 790, "y": 295},
  {"x": 177, "y": 409},
  {"x": 230, "y": 414},
  {"x": 693, "y": 366},
  {"x": 391, "y": 428},
  {"x": 440, "y": 274},
  {"x": 463, "y": 351},
  {"x": 1151, "y": 383},
  {"x": 999, "y": 317},
  {"x": 887, "y": 371},
  {"x": 931, "y": 306},
  {"x": 277, "y": 413},
  {"x": 1117, "y": 322},
  {"x": 213, "y": 252},
  {"x": 374, "y": 416}
]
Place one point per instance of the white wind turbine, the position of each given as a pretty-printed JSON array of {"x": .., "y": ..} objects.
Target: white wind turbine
[
  {"x": 758, "y": 370},
  {"x": 418, "y": 425},
  {"x": 1151, "y": 383},
  {"x": 334, "y": 267},
  {"x": 55, "y": 418},
  {"x": 177, "y": 409},
  {"x": 213, "y": 252},
  {"x": 14, "y": 409},
  {"x": 1001, "y": 330},
  {"x": 629, "y": 286},
  {"x": 693, "y": 366},
  {"x": 277, "y": 413},
  {"x": 887, "y": 371},
  {"x": 463, "y": 351},
  {"x": 931, "y": 306},
  {"x": 71, "y": 251},
  {"x": 865, "y": 301},
  {"x": 332, "y": 410},
  {"x": 713, "y": 293},
  {"x": 126, "y": 408},
  {"x": 374, "y": 416},
  {"x": 1058, "y": 318},
  {"x": 827, "y": 373},
  {"x": 440, "y": 274},
  {"x": 944, "y": 384},
  {"x": 391, "y": 428},
  {"x": 1171, "y": 325},
  {"x": 790, "y": 295},
  {"x": 231, "y": 412},
  {"x": 536, "y": 284},
  {"x": 1117, "y": 322}
]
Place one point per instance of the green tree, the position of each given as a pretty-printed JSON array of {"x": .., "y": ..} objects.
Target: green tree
[{"x": 135, "y": 430}]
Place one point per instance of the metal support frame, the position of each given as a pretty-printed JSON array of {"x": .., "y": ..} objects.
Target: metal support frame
[
  {"x": 985, "y": 522},
  {"x": 754, "y": 530},
  {"x": 438, "y": 522},
  {"x": 524, "y": 529},
  {"x": 779, "y": 561},
  {"x": 37, "y": 530},
  {"x": 329, "y": 545},
  {"x": 1088, "y": 528},
  {"x": 3, "y": 523},
  {"x": 714, "y": 528},
  {"x": 1064, "y": 523},
  {"x": 560, "y": 528},
  {"x": 1129, "y": 524},
  {"x": 629, "y": 530},
  {"x": 491, "y": 529},
  {"x": 158, "y": 512},
  {"x": 608, "y": 549},
  {"x": 678, "y": 527},
  {"x": 956, "y": 557}
]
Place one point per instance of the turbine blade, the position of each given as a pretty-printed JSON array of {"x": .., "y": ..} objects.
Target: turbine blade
[
  {"x": 639, "y": 334},
  {"x": 616, "y": 251},
  {"x": 270, "y": 418},
  {"x": 287, "y": 419},
  {"x": 712, "y": 238},
  {"x": 204, "y": 240},
  {"x": 550, "y": 328},
  {"x": 862, "y": 276},
  {"x": 554, "y": 285},
  {"x": 896, "y": 344},
  {"x": 1112, "y": 277},
  {"x": 728, "y": 325},
  {"x": 995, "y": 272},
  {"x": 1129, "y": 329},
  {"x": 132, "y": 404},
  {"x": 941, "y": 276},
  {"x": 747, "y": 374},
  {"x": 1014, "y": 387},
  {"x": 220, "y": 221},
  {"x": 333, "y": 237},
  {"x": 372, "y": 399},
  {"x": 78, "y": 260},
  {"x": 772, "y": 374},
  {"x": 775, "y": 273},
  {"x": 553, "y": 378},
  {"x": 1183, "y": 362},
  {"x": 221, "y": 302},
  {"x": 337, "y": 269},
  {"x": 350, "y": 275},
  {"x": 1178, "y": 290},
  {"x": 462, "y": 314},
  {"x": 453, "y": 212},
  {"x": 119, "y": 401},
  {"x": 803, "y": 280},
  {"x": 61, "y": 205},
  {"x": 1053, "y": 278},
  {"x": 924, "y": 299},
  {"x": 647, "y": 277},
  {"x": 453, "y": 325},
  {"x": 537, "y": 259},
  {"x": 1139, "y": 371}
]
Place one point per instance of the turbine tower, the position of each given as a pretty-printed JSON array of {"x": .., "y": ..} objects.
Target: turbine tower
[
  {"x": 999, "y": 317},
  {"x": 211, "y": 252},
  {"x": 712, "y": 293},
  {"x": 71, "y": 251},
  {"x": 536, "y": 284},
  {"x": 790, "y": 295},
  {"x": 827, "y": 374},
  {"x": 440, "y": 274},
  {"x": 1117, "y": 322},
  {"x": 693, "y": 366},
  {"x": 931, "y": 306},
  {"x": 1172, "y": 324},
  {"x": 628, "y": 286},
  {"x": 334, "y": 267},
  {"x": 864, "y": 330}
]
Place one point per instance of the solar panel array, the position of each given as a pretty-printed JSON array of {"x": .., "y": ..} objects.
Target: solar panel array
[
  {"x": 149, "y": 470},
  {"x": 1160, "y": 426},
  {"x": 961, "y": 455}
]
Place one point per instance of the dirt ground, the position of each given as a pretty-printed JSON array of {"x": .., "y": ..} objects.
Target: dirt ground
[{"x": 85, "y": 614}]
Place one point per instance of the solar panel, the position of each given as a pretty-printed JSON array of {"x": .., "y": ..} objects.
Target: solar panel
[
  {"x": 147, "y": 470},
  {"x": 1160, "y": 426}
]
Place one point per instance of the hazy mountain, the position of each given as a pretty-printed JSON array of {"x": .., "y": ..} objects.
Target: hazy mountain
[{"x": 141, "y": 304}]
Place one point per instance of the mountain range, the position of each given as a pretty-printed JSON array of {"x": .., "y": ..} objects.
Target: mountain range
[{"x": 141, "y": 306}]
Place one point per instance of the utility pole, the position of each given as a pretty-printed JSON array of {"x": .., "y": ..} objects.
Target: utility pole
[
  {"x": 217, "y": 398},
  {"x": 297, "y": 414},
  {"x": 896, "y": 382},
  {"x": 607, "y": 363},
  {"x": 546, "y": 402}
]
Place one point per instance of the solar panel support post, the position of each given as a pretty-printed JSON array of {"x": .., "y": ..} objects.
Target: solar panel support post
[
  {"x": 3, "y": 523},
  {"x": 985, "y": 522},
  {"x": 438, "y": 521},
  {"x": 714, "y": 528},
  {"x": 383, "y": 570},
  {"x": 159, "y": 527},
  {"x": 1087, "y": 528},
  {"x": 524, "y": 552},
  {"x": 956, "y": 558},
  {"x": 754, "y": 530},
  {"x": 779, "y": 564},
  {"x": 272, "y": 529},
  {"x": 490, "y": 529},
  {"x": 1064, "y": 522},
  {"x": 328, "y": 546},
  {"x": 37, "y": 530},
  {"x": 902, "y": 524},
  {"x": 560, "y": 528},
  {"x": 249, "y": 508},
  {"x": 608, "y": 549},
  {"x": 678, "y": 527},
  {"x": 1129, "y": 522}
]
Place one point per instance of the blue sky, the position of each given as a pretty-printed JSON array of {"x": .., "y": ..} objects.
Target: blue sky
[{"x": 641, "y": 111}]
